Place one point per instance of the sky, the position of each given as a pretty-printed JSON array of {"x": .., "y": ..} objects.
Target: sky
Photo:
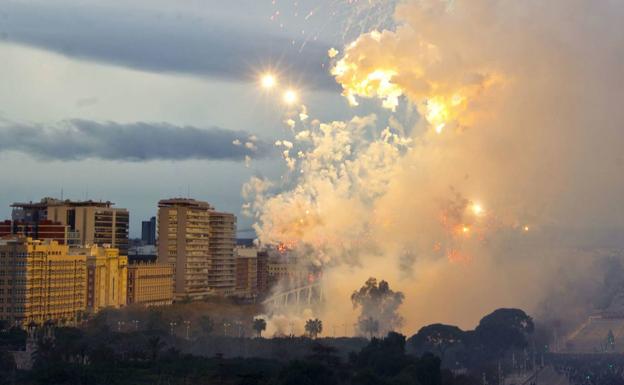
[{"x": 138, "y": 102}]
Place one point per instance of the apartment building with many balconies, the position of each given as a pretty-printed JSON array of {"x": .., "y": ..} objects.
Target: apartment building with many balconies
[{"x": 41, "y": 281}]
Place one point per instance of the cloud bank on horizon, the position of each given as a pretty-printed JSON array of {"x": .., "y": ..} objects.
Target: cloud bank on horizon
[{"x": 78, "y": 139}]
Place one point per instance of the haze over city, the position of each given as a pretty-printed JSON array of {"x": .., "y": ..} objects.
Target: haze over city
[{"x": 417, "y": 176}]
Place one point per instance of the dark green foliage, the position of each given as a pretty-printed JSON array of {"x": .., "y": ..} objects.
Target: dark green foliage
[
  {"x": 313, "y": 327},
  {"x": 206, "y": 324},
  {"x": 379, "y": 307},
  {"x": 306, "y": 373},
  {"x": 498, "y": 333},
  {"x": 12, "y": 339},
  {"x": 437, "y": 338},
  {"x": 98, "y": 355},
  {"x": 504, "y": 329},
  {"x": 385, "y": 356},
  {"x": 259, "y": 325}
]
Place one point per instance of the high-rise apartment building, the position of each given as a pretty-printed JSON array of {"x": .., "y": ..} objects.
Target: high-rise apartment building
[
  {"x": 93, "y": 223},
  {"x": 222, "y": 270},
  {"x": 107, "y": 277},
  {"x": 40, "y": 281},
  {"x": 183, "y": 241},
  {"x": 148, "y": 231},
  {"x": 150, "y": 284},
  {"x": 199, "y": 242}
]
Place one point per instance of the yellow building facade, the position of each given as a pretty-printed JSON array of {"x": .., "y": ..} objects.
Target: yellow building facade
[
  {"x": 107, "y": 277},
  {"x": 150, "y": 284},
  {"x": 41, "y": 281}
]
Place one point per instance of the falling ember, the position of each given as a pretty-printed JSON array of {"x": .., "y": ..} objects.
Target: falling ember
[
  {"x": 440, "y": 128},
  {"x": 455, "y": 256},
  {"x": 290, "y": 97},
  {"x": 268, "y": 81},
  {"x": 465, "y": 229},
  {"x": 525, "y": 228}
]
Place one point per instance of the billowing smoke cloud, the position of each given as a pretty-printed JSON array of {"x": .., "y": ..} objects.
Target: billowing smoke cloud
[
  {"x": 502, "y": 191},
  {"x": 80, "y": 139}
]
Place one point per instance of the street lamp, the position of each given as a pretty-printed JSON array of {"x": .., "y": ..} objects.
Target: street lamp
[
  {"x": 240, "y": 328},
  {"x": 188, "y": 327},
  {"x": 172, "y": 325}
]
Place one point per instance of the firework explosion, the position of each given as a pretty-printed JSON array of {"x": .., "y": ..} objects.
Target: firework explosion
[{"x": 361, "y": 192}]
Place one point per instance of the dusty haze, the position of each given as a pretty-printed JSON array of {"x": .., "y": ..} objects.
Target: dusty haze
[{"x": 502, "y": 192}]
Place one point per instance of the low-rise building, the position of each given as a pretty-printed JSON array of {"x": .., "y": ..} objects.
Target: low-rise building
[
  {"x": 150, "y": 284},
  {"x": 43, "y": 229},
  {"x": 41, "y": 281},
  {"x": 142, "y": 254}
]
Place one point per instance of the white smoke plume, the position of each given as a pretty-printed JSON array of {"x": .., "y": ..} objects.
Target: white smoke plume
[{"x": 487, "y": 201}]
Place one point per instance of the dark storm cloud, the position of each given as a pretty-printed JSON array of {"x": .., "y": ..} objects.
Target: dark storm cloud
[
  {"x": 82, "y": 139},
  {"x": 162, "y": 41}
]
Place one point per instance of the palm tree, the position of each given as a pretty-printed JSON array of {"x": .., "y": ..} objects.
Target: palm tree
[
  {"x": 154, "y": 345},
  {"x": 314, "y": 327},
  {"x": 259, "y": 325}
]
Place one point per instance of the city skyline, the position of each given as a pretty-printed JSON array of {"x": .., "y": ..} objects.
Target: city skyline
[{"x": 123, "y": 89}]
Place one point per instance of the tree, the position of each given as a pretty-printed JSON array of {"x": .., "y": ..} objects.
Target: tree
[
  {"x": 259, "y": 325},
  {"x": 386, "y": 356},
  {"x": 314, "y": 327},
  {"x": 369, "y": 326},
  {"x": 206, "y": 324},
  {"x": 437, "y": 338},
  {"x": 154, "y": 346},
  {"x": 504, "y": 329},
  {"x": 379, "y": 302}
]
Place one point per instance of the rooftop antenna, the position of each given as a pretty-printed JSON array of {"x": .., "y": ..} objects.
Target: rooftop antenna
[{"x": 61, "y": 193}]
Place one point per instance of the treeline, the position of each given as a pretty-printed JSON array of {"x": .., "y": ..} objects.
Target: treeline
[
  {"x": 100, "y": 353},
  {"x": 75, "y": 358}
]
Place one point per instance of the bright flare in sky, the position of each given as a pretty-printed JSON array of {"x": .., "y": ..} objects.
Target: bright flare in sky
[
  {"x": 477, "y": 209},
  {"x": 268, "y": 81},
  {"x": 290, "y": 97}
]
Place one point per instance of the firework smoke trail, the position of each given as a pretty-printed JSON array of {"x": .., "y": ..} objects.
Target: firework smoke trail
[
  {"x": 353, "y": 16},
  {"x": 499, "y": 153}
]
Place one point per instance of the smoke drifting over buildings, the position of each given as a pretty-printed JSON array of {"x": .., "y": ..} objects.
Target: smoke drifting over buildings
[{"x": 495, "y": 195}]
